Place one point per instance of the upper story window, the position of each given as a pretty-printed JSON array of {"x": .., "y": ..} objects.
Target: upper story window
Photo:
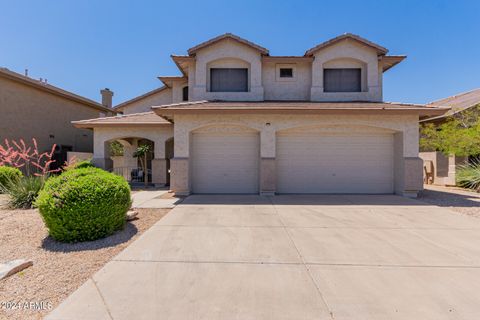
[
  {"x": 185, "y": 93},
  {"x": 228, "y": 79},
  {"x": 286, "y": 72},
  {"x": 342, "y": 80}
]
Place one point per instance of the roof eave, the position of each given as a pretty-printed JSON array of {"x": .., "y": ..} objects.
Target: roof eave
[
  {"x": 287, "y": 58},
  {"x": 392, "y": 61},
  {"x": 214, "y": 40},
  {"x": 8, "y": 74},
  {"x": 380, "y": 50},
  {"x": 168, "y": 81},
  {"x": 176, "y": 59},
  {"x": 114, "y": 124},
  {"x": 422, "y": 112},
  {"x": 140, "y": 97}
]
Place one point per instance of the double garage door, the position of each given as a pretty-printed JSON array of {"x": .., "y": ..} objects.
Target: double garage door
[{"x": 358, "y": 161}]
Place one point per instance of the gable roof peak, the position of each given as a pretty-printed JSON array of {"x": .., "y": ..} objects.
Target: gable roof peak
[
  {"x": 227, "y": 35},
  {"x": 347, "y": 35}
]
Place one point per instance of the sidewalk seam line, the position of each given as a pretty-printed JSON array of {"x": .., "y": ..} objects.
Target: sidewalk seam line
[
  {"x": 103, "y": 299},
  {"x": 330, "y": 312}
]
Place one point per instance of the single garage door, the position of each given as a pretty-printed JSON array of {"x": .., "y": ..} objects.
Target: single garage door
[
  {"x": 335, "y": 161},
  {"x": 225, "y": 162}
]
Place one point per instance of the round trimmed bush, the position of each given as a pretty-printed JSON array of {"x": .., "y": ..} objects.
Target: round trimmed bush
[
  {"x": 84, "y": 164},
  {"x": 8, "y": 175},
  {"x": 84, "y": 204}
]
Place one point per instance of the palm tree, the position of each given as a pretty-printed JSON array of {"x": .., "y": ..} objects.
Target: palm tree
[{"x": 141, "y": 153}]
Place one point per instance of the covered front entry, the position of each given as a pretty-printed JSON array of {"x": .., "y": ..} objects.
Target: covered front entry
[
  {"x": 335, "y": 160},
  {"x": 225, "y": 159}
]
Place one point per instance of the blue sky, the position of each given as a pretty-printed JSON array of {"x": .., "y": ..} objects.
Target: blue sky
[{"x": 83, "y": 46}]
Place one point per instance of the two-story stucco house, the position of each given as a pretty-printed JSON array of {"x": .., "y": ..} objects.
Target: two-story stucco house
[{"x": 243, "y": 121}]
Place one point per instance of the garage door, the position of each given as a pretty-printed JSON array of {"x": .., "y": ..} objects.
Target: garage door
[
  {"x": 335, "y": 161},
  {"x": 225, "y": 162}
]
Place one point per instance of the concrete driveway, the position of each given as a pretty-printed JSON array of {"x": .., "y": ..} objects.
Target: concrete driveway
[{"x": 292, "y": 257}]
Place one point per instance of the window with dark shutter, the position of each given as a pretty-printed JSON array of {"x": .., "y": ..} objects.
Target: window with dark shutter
[
  {"x": 286, "y": 73},
  {"x": 228, "y": 79},
  {"x": 185, "y": 93},
  {"x": 342, "y": 80}
]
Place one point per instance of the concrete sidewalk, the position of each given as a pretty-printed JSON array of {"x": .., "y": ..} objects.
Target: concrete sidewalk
[
  {"x": 292, "y": 257},
  {"x": 153, "y": 199}
]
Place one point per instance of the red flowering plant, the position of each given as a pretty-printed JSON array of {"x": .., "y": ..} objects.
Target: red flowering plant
[
  {"x": 27, "y": 158},
  {"x": 24, "y": 189}
]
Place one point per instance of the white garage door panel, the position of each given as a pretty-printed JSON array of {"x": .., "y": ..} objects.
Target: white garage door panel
[
  {"x": 225, "y": 162},
  {"x": 335, "y": 163}
]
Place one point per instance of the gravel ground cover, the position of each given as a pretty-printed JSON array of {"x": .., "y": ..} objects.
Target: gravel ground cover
[
  {"x": 459, "y": 200},
  {"x": 58, "y": 269}
]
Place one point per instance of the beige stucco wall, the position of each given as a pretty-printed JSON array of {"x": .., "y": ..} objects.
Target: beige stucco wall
[
  {"x": 79, "y": 156},
  {"x": 308, "y": 82},
  {"x": 184, "y": 124},
  {"x": 145, "y": 104},
  {"x": 227, "y": 53},
  {"x": 264, "y": 83},
  {"x": 404, "y": 128},
  {"x": 444, "y": 168},
  {"x": 156, "y": 134},
  {"x": 347, "y": 50},
  {"x": 297, "y": 88},
  {"x": 29, "y": 113},
  {"x": 177, "y": 91}
]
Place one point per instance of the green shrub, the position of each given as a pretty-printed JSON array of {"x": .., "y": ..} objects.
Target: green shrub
[
  {"x": 468, "y": 176},
  {"x": 23, "y": 191},
  {"x": 78, "y": 165},
  {"x": 84, "y": 204},
  {"x": 84, "y": 164},
  {"x": 7, "y": 176}
]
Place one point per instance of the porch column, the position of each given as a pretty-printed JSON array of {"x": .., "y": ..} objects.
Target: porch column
[
  {"x": 101, "y": 156},
  {"x": 268, "y": 174},
  {"x": 180, "y": 163},
  {"x": 179, "y": 173},
  {"x": 159, "y": 172},
  {"x": 408, "y": 169},
  {"x": 413, "y": 176},
  {"x": 159, "y": 163},
  {"x": 129, "y": 149}
]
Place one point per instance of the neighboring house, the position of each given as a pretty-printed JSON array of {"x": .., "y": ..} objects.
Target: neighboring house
[
  {"x": 458, "y": 103},
  {"x": 34, "y": 109},
  {"x": 256, "y": 123},
  {"x": 438, "y": 168}
]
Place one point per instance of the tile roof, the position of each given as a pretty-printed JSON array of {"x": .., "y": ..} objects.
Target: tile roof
[
  {"x": 218, "y": 104},
  {"x": 207, "y": 43},
  {"x": 140, "y": 97},
  {"x": 391, "y": 61},
  {"x": 380, "y": 50},
  {"x": 141, "y": 119},
  {"x": 168, "y": 80},
  {"x": 458, "y": 103},
  {"x": 299, "y": 106}
]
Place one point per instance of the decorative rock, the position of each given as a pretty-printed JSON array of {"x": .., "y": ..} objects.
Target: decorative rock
[
  {"x": 14, "y": 266},
  {"x": 132, "y": 214}
]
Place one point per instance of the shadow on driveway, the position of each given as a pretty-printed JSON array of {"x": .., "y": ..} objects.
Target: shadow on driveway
[
  {"x": 303, "y": 199},
  {"x": 449, "y": 199}
]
